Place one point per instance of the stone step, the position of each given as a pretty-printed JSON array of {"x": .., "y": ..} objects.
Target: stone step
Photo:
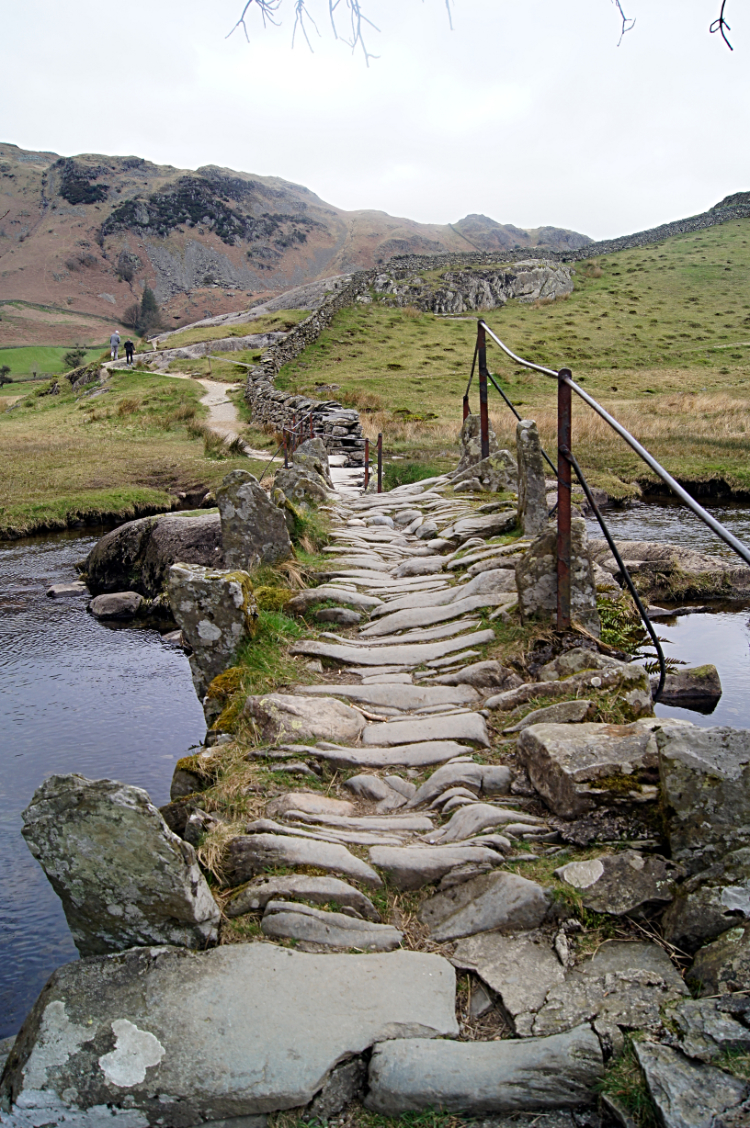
[
  {"x": 419, "y": 755},
  {"x": 409, "y": 654},
  {"x": 400, "y": 696},
  {"x": 456, "y": 726}
]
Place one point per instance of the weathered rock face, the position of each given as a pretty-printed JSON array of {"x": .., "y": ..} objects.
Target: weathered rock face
[
  {"x": 286, "y": 717},
  {"x": 475, "y": 288},
  {"x": 705, "y": 777},
  {"x": 312, "y": 455},
  {"x": 123, "y": 877},
  {"x": 710, "y": 902},
  {"x": 485, "y": 1077},
  {"x": 576, "y": 767},
  {"x": 489, "y": 475},
  {"x": 687, "y": 1094},
  {"x": 708, "y": 1027},
  {"x": 216, "y": 613},
  {"x": 724, "y": 965},
  {"x": 622, "y": 883},
  {"x": 145, "y": 1032},
  {"x": 532, "y": 494},
  {"x": 253, "y": 529},
  {"x": 137, "y": 556},
  {"x": 536, "y": 578},
  {"x": 471, "y": 444},
  {"x": 301, "y": 484}
]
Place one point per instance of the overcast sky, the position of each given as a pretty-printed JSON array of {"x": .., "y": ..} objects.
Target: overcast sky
[{"x": 527, "y": 110}]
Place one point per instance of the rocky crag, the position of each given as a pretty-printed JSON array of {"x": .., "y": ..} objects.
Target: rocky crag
[{"x": 462, "y": 884}]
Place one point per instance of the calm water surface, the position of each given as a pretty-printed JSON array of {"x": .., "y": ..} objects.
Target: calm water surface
[
  {"x": 75, "y": 696},
  {"x": 721, "y": 638}
]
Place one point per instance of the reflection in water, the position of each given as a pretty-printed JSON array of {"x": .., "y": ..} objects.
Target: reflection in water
[
  {"x": 77, "y": 696},
  {"x": 721, "y": 638}
]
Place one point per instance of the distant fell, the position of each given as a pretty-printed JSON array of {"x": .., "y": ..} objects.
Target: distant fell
[{"x": 81, "y": 236}]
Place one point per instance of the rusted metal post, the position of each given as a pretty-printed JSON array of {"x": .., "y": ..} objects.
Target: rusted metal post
[
  {"x": 286, "y": 449},
  {"x": 484, "y": 419},
  {"x": 564, "y": 447},
  {"x": 367, "y": 463},
  {"x": 380, "y": 462},
  {"x": 312, "y": 433},
  {"x": 466, "y": 406}
]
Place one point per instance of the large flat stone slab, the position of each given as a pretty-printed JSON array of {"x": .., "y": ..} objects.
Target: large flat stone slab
[
  {"x": 501, "y": 900},
  {"x": 300, "y": 603},
  {"x": 251, "y": 854},
  {"x": 419, "y": 755},
  {"x": 289, "y": 921},
  {"x": 486, "y": 1077},
  {"x": 705, "y": 777},
  {"x": 521, "y": 969},
  {"x": 574, "y": 767},
  {"x": 399, "y": 696},
  {"x": 422, "y": 616},
  {"x": 412, "y": 867},
  {"x": 454, "y": 726},
  {"x": 408, "y": 654},
  {"x": 123, "y": 877},
  {"x": 289, "y": 887},
  {"x": 166, "y": 1036}
]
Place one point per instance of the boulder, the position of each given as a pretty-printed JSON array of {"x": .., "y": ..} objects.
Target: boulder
[
  {"x": 628, "y": 680},
  {"x": 576, "y": 767},
  {"x": 471, "y": 444},
  {"x": 137, "y": 555},
  {"x": 216, "y": 613},
  {"x": 723, "y": 965},
  {"x": 574, "y": 662},
  {"x": 301, "y": 485},
  {"x": 705, "y": 778},
  {"x": 482, "y": 1078},
  {"x": 500, "y": 901},
  {"x": 289, "y": 921},
  {"x": 253, "y": 529},
  {"x": 59, "y": 591},
  {"x": 536, "y": 578},
  {"x": 685, "y": 1093},
  {"x": 254, "y": 897},
  {"x": 123, "y": 877},
  {"x": 285, "y": 717},
  {"x": 532, "y": 494},
  {"x": 116, "y": 605},
  {"x": 626, "y": 883},
  {"x": 163, "y": 1036},
  {"x": 710, "y": 902},
  {"x": 697, "y": 687},
  {"x": 341, "y": 616}
]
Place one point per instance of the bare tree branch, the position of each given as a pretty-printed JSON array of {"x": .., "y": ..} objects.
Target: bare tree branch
[
  {"x": 721, "y": 26},
  {"x": 267, "y": 8},
  {"x": 627, "y": 24}
]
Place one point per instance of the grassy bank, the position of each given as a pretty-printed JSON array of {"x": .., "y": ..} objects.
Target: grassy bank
[
  {"x": 133, "y": 449},
  {"x": 660, "y": 335},
  {"x": 40, "y": 359}
]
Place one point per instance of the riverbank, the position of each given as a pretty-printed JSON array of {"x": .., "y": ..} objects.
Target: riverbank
[{"x": 134, "y": 446}]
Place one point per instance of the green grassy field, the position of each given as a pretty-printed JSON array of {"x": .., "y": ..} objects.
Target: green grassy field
[
  {"x": 42, "y": 359},
  {"x": 69, "y": 458},
  {"x": 268, "y": 323},
  {"x": 660, "y": 335}
]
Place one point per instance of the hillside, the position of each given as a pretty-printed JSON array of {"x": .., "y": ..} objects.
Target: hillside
[{"x": 80, "y": 236}]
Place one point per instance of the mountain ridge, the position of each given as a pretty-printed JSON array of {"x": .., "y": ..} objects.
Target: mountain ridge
[{"x": 80, "y": 237}]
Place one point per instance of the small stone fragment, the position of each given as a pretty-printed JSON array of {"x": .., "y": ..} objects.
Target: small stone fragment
[
  {"x": 625, "y": 883},
  {"x": 707, "y": 1028},
  {"x": 561, "y": 713},
  {"x": 342, "y": 616}
]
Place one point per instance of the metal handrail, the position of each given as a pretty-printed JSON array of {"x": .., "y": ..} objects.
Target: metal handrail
[{"x": 632, "y": 442}]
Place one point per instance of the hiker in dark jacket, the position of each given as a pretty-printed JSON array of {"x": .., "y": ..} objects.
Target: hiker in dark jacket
[{"x": 129, "y": 350}]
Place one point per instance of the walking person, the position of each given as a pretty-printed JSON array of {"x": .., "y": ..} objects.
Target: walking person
[
  {"x": 114, "y": 344},
  {"x": 129, "y": 350}
]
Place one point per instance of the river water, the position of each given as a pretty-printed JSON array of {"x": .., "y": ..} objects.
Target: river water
[{"x": 77, "y": 696}]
